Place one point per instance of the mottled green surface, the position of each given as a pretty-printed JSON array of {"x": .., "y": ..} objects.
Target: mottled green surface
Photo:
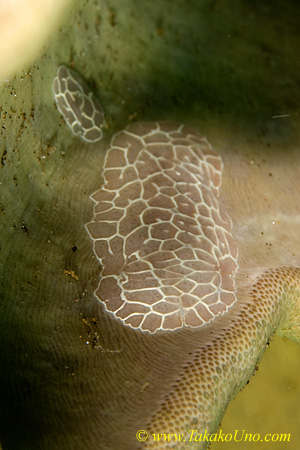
[{"x": 218, "y": 65}]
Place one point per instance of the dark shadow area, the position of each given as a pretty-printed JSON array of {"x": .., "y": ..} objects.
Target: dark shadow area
[{"x": 234, "y": 62}]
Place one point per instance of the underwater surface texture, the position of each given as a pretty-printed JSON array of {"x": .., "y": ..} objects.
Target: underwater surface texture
[{"x": 71, "y": 376}]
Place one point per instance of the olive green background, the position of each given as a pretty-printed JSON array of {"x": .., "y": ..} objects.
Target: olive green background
[{"x": 270, "y": 402}]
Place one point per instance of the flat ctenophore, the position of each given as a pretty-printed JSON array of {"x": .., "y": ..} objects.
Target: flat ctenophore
[
  {"x": 163, "y": 240},
  {"x": 78, "y": 105}
]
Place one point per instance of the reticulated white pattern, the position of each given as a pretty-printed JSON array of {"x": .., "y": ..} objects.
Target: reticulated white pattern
[
  {"x": 163, "y": 241},
  {"x": 78, "y": 105}
]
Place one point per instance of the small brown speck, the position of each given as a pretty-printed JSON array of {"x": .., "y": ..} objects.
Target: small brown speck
[
  {"x": 112, "y": 18},
  {"x": 71, "y": 273},
  {"x": 24, "y": 228}
]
